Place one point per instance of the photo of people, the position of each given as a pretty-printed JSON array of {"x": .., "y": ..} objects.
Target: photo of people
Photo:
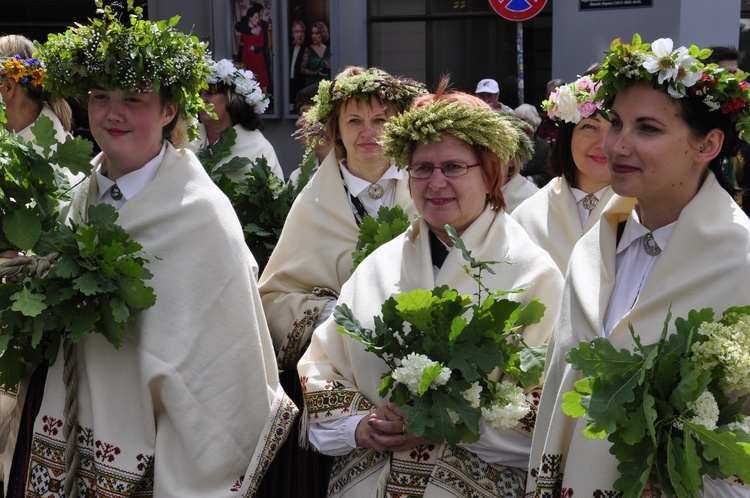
[
  {"x": 309, "y": 45},
  {"x": 253, "y": 41}
]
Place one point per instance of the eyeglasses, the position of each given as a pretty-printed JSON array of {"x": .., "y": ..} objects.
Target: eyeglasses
[{"x": 450, "y": 170}]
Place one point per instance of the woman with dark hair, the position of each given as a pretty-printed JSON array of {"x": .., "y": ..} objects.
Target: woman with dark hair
[
  {"x": 672, "y": 239},
  {"x": 570, "y": 204},
  {"x": 255, "y": 44},
  {"x": 238, "y": 103},
  {"x": 316, "y": 61},
  {"x": 453, "y": 146}
]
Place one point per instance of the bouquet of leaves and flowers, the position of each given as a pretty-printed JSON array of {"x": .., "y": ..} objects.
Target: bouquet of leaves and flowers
[
  {"x": 74, "y": 280},
  {"x": 445, "y": 353},
  {"x": 672, "y": 410},
  {"x": 261, "y": 200}
]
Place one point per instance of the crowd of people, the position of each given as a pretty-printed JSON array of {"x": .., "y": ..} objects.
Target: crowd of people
[{"x": 612, "y": 204}]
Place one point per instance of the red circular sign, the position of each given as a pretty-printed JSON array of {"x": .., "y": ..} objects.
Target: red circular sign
[{"x": 518, "y": 10}]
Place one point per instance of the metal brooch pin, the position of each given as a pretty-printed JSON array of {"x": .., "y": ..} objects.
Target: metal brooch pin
[
  {"x": 115, "y": 192},
  {"x": 375, "y": 191},
  {"x": 590, "y": 202},
  {"x": 650, "y": 245}
]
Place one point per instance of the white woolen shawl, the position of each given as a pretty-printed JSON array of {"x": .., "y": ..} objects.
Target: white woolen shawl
[
  {"x": 194, "y": 385},
  {"x": 517, "y": 190},
  {"x": 314, "y": 250},
  {"x": 405, "y": 264},
  {"x": 551, "y": 219},
  {"x": 705, "y": 264}
]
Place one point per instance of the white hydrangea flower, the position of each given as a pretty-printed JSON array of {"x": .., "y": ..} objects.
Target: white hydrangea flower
[
  {"x": 453, "y": 415},
  {"x": 743, "y": 425},
  {"x": 411, "y": 370},
  {"x": 705, "y": 411},
  {"x": 472, "y": 394},
  {"x": 509, "y": 407},
  {"x": 728, "y": 347}
]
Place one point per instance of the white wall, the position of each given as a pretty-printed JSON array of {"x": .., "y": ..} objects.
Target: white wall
[{"x": 579, "y": 38}]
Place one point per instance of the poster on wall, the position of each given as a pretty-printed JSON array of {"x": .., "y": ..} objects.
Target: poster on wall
[
  {"x": 252, "y": 44},
  {"x": 308, "y": 57}
]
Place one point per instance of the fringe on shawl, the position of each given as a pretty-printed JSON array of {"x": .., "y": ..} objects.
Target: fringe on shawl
[
  {"x": 304, "y": 427},
  {"x": 382, "y": 482}
]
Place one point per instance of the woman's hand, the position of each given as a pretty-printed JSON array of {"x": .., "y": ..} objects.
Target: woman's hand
[{"x": 385, "y": 430}]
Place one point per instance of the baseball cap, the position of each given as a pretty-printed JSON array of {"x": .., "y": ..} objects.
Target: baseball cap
[{"x": 487, "y": 86}]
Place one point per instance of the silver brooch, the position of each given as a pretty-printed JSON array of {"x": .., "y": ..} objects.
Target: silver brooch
[
  {"x": 115, "y": 192},
  {"x": 375, "y": 191},
  {"x": 590, "y": 202},
  {"x": 650, "y": 245}
]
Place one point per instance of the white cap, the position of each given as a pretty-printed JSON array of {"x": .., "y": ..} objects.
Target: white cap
[{"x": 488, "y": 86}]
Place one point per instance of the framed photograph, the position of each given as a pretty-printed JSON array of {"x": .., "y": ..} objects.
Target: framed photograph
[
  {"x": 254, "y": 45},
  {"x": 308, "y": 58}
]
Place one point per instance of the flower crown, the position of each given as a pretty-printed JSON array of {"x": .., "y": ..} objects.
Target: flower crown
[
  {"x": 474, "y": 125},
  {"x": 679, "y": 72},
  {"x": 573, "y": 102},
  {"x": 141, "y": 56},
  {"x": 27, "y": 72},
  {"x": 525, "y": 147},
  {"x": 243, "y": 82},
  {"x": 402, "y": 91}
]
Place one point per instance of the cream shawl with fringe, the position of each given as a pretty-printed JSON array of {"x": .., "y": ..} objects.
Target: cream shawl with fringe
[
  {"x": 191, "y": 403},
  {"x": 551, "y": 219}
]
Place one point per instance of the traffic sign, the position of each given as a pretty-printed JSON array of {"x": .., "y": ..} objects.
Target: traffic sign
[{"x": 518, "y": 10}]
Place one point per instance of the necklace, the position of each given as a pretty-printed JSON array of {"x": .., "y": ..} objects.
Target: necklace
[
  {"x": 590, "y": 202},
  {"x": 375, "y": 191},
  {"x": 650, "y": 245}
]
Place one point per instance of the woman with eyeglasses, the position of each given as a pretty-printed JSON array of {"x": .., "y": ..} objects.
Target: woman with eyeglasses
[{"x": 454, "y": 145}]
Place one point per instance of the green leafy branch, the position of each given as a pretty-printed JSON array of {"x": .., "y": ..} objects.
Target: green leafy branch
[
  {"x": 96, "y": 279},
  {"x": 260, "y": 199},
  {"x": 374, "y": 232},
  {"x": 471, "y": 340},
  {"x": 641, "y": 401},
  {"x": 30, "y": 189}
]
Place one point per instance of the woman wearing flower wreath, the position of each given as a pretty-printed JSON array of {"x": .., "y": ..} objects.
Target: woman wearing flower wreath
[
  {"x": 190, "y": 404},
  {"x": 569, "y": 205},
  {"x": 671, "y": 239},
  {"x": 25, "y": 100},
  {"x": 455, "y": 181},
  {"x": 238, "y": 103}
]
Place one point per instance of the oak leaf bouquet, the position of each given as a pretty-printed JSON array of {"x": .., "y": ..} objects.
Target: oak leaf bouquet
[
  {"x": 445, "y": 353},
  {"x": 673, "y": 409},
  {"x": 73, "y": 280}
]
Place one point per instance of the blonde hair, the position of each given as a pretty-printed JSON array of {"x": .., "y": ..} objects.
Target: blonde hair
[{"x": 11, "y": 45}]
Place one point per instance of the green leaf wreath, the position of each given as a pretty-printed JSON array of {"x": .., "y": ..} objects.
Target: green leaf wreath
[
  {"x": 261, "y": 200},
  {"x": 445, "y": 352},
  {"x": 75, "y": 280},
  {"x": 672, "y": 410}
]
